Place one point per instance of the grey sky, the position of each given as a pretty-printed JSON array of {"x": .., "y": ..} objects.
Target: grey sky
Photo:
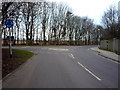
[{"x": 94, "y": 9}]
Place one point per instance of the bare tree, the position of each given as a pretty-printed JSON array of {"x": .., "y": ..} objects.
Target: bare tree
[
  {"x": 109, "y": 20},
  {"x": 29, "y": 15},
  {"x": 50, "y": 21},
  {"x": 5, "y": 7}
]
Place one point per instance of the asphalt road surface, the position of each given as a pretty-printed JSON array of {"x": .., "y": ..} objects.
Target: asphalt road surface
[{"x": 64, "y": 67}]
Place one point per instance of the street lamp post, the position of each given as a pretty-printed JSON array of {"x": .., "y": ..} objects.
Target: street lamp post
[
  {"x": 68, "y": 23},
  {"x": 99, "y": 36}
]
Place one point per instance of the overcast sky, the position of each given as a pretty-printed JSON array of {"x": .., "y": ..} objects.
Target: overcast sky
[{"x": 94, "y": 9}]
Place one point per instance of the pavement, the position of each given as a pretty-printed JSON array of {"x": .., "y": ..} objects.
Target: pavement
[
  {"x": 64, "y": 67},
  {"x": 107, "y": 54}
]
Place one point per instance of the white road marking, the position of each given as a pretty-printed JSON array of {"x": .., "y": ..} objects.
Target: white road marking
[
  {"x": 23, "y": 47},
  {"x": 89, "y": 71},
  {"x": 72, "y": 56},
  {"x": 58, "y": 49},
  {"x": 44, "y": 48}
]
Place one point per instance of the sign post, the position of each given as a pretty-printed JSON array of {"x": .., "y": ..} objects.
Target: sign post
[{"x": 9, "y": 24}]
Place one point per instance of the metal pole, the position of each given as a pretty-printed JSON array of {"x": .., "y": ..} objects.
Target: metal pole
[{"x": 10, "y": 44}]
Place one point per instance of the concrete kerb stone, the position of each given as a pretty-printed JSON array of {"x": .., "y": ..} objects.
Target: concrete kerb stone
[{"x": 107, "y": 54}]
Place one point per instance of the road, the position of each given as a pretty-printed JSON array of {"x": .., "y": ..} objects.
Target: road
[{"x": 64, "y": 67}]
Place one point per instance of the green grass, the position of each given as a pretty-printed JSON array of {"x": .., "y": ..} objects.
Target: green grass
[
  {"x": 18, "y": 57},
  {"x": 23, "y": 55},
  {"x": 17, "y": 54}
]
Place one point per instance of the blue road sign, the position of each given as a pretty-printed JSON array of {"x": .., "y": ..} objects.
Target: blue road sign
[{"x": 9, "y": 23}]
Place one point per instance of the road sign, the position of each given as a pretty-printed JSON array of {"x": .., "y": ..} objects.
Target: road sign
[{"x": 9, "y": 23}]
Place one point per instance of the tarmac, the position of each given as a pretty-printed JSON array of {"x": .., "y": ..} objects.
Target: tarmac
[{"x": 107, "y": 54}]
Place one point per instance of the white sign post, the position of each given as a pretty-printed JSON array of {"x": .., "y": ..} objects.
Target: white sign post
[
  {"x": 10, "y": 43},
  {"x": 9, "y": 24}
]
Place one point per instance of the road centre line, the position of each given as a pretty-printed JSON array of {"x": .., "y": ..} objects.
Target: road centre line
[
  {"x": 72, "y": 56},
  {"x": 89, "y": 71}
]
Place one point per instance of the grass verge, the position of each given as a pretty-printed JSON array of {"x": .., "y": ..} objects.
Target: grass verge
[{"x": 18, "y": 58}]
